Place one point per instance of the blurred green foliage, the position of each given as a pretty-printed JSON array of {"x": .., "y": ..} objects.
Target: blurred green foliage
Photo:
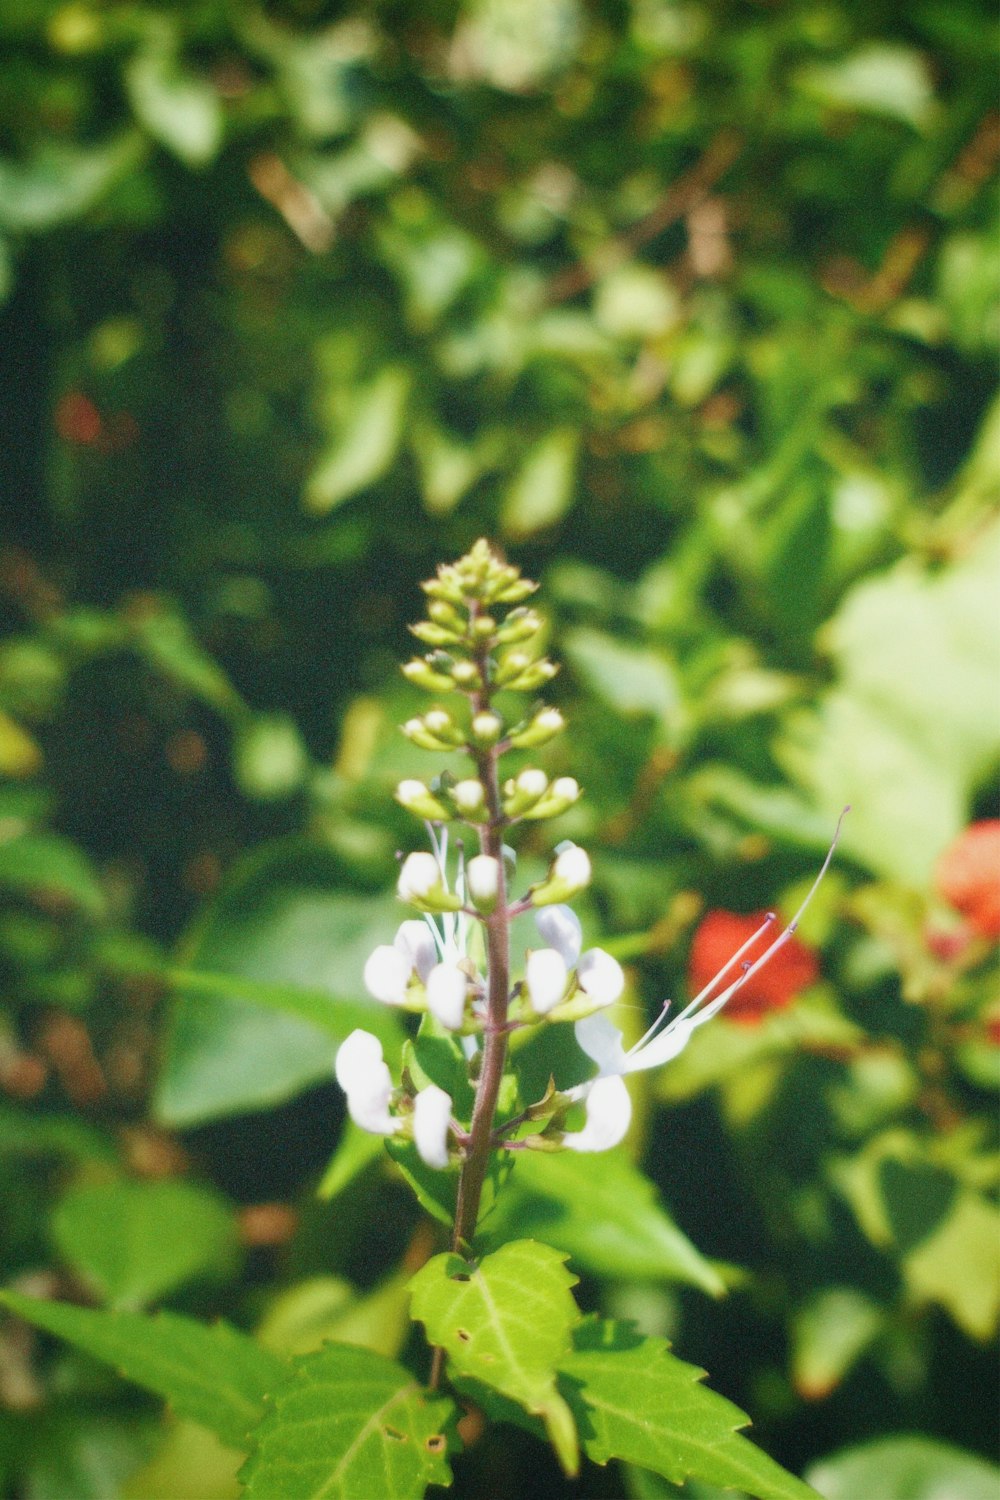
[{"x": 692, "y": 306}]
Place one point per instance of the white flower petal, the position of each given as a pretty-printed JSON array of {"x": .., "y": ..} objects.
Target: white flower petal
[
  {"x": 545, "y": 977},
  {"x": 663, "y": 1048},
  {"x": 609, "y": 1112},
  {"x": 386, "y": 975},
  {"x": 447, "y": 986},
  {"x": 357, "y": 1055},
  {"x": 431, "y": 1119},
  {"x": 559, "y": 927},
  {"x": 602, "y": 1042},
  {"x": 367, "y": 1082},
  {"x": 600, "y": 976},
  {"x": 415, "y": 942}
]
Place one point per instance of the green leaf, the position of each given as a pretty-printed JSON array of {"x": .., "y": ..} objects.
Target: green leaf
[
  {"x": 944, "y": 1234},
  {"x": 907, "y": 746},
  {"x": 134, "y": 1241},
  {"x": 542, "y": 489},
  {"x": 831, "y": 1332},
  {"x": 350, "y": 1425},
  {"x": 213, "y": 1375},
  {"x": 189, "y": 1464},
  {"x": 282, "y": 947},
  {"x": 630, "y": 679},
  {"x": 905, "y": 1468},
  {"x": 633, "y": 1400},
  {"x": 506, "y": 1322},
  {"x": 60, "y": 181},
  {"x": 45, "y": 865},
  {"x": 364, "y": 442},
  {"x": 603, "y": 1213},
  {"x": 356, "y": 1150},
  {"x": 883, "y": 78},
  {"x": 182, "y": 111}
]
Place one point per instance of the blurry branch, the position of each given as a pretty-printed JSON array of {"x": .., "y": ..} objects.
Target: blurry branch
[
  {"x": 298, "y": 205},
  {"x": 684, "y": 196},
  {"x": 974, "y": 166}
]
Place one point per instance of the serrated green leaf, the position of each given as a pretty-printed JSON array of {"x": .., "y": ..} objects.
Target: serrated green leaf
[
  {"x": 350, "y": 1425},
  {"x": 506, "y": 1322},
  {"x": 633, "y": 1400},
  {"x": 603, "y": 1213},
  {"x": 905, "y": 1468},
  {"x": 213, "y": 1375},
  {"x": 133, "y": 1241}
]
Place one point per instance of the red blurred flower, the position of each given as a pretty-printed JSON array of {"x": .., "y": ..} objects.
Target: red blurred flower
[
  {"x": 968, "y": 876},
  {"x": 720, "y": 934},
  {"x": 77, "y": 420}
]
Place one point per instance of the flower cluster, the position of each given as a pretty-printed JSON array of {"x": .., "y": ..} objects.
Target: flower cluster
[{"x": 451, "y": 964}]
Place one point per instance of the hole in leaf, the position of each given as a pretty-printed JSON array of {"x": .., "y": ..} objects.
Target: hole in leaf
[
  {"x": 435, "y": 1443},
  {"x": 394, "y": 1433},
  {"x": 463, "y": 1334},
  {"x": 460, "y": 1276}
]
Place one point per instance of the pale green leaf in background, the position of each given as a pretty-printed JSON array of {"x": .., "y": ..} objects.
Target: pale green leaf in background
[
  {"x": 905, "y": 1468},
  {"x": 211, "y": 1374},
  {"x": 133, "y": 1242}
]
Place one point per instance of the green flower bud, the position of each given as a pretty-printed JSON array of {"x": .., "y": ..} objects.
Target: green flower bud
[
  {"x": 486, "y": 729},
  {"x": 439, "y": 722},
  {"x": 511, "y": 664},
  {"x": 415, "y": 730},
  {"x": 516, "y": 590},
  {"x": 561, "y": 794},
  {"x": 435, "y": 635},
  {"x": 522, "y": 794},
  {"x": 465, "y": 675},
  {"x": 537, "y": 731},
  {"x": 416, "y": 798},
  {"x": 568, "y": 875},
  {"x": 519, "y": 625},
  {"x": 483, "y": 627},
  {"x": 469, "y": 798},
  {"x": 539, "y": 673},
  {"x": 422, "y": 674},
  {"x": 443, "y": 613}
]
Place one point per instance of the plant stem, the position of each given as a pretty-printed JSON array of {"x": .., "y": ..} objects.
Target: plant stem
[{"x": 477, "y": 1158}]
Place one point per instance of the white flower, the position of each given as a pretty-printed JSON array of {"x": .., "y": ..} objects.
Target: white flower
[
  {"x": 560, "y": 927},
  {"x": 418, "y": 877},
  {"x": 415, "y": 941},
  {"x": 431, "y": 1119},
  {"x": 482, "y": 877},
  {"x": 600, "y": 976},
  {"x": 545, "y": 977},
  {"x": 609, "y": 1112},
  {"x": 447, "y": 986},
  {"x": 386, "y": 975},
  {"x": 532, "y": 783},
  {"x": 362, "y": 1073},
  {"x": 603, "y": 1042}
]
